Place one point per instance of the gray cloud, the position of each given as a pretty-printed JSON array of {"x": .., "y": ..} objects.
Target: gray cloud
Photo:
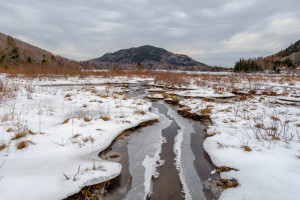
[{"x": 216, "y": 32}]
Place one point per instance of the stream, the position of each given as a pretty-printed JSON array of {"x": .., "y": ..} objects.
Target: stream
[{"x": 163, "y": 161}]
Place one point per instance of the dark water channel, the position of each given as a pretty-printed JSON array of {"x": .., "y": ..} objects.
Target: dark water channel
[{"x": 167, "y": 185}]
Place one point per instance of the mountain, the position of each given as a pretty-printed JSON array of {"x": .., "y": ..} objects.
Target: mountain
[
  {"x": 287, "y": 60},
  {"x": 15, "y": 52},
  {"x": 150, "y": 57},
  {"x": 292, "y": 52}
]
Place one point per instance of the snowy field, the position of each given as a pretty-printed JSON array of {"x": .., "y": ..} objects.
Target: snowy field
[
  {"x": 52, "y": 129},
  {"x": 258, "y": 135},
  {"x": 51, "y": 136}
]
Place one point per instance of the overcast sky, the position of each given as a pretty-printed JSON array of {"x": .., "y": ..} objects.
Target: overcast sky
[{"x": 216, "y": 32}]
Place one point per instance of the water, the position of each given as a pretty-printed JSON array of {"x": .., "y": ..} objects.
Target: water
[{"x": 150, "y": 150}]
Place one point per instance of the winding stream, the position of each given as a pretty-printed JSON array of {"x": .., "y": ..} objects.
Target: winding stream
[
  {"x": 163, "y": 161},
  {"x": 172, "y": 150}
]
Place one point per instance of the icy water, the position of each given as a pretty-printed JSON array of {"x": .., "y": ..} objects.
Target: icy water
[
  {"x": 165, "y": 160},
  {"x": 157, "y": 142},
  {"x": 168, "y": 178}
]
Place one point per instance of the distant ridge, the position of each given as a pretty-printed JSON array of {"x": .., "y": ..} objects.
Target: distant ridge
[
  {"x": 292, "y": 52},
  {"x": 14, "y": 52},
  {"x": 150, "y": 57}
]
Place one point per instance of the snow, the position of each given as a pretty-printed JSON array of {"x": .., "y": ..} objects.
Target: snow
[
  {"x": 155, "y": 96},
  {"x": 57, "y": 147},
  {"x": 272, "y": 167},
  {"x": 69, "y": 125},
  {"x": 203, "y": 93}
]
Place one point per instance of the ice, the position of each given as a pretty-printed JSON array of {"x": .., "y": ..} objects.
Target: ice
[
  {"x": 143, "y": 150},
  {"x": 192, "y": 185}
]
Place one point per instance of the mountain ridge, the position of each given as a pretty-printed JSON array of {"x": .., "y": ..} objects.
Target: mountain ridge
[
  {"x": 150, "y": 57},
  {"x": 14, "y": 52}
]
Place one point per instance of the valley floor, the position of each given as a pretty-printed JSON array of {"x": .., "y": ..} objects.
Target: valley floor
[{"x": 52, "y": 129}]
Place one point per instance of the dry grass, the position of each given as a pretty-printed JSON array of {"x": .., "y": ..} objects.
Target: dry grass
[
  {"x": 88, "y": 139},
  {"x": 2, "y": 145},
  {"x": 75, "y": 136},
  {"x": 66, "y": 121},
  {"x": 209, "y": 135},
  {"x": 226, "y": 183},
  {"x": 165, "y": 95},
  {"x": 224, "y": 169},
  {"x": 18, "y": 136},
  {"x": 114, "y": 156},
  {"x": 205, "y": 111},
  {"x": 23, "y": 144},
  {"x": 246, "y": 148},
  {"x": 243, "y": 98},
  {"x": 68, "y": 95},
  {"x": 140, "y": 112},
  {"x": 105, "y": 118},
  {"x": 5, "y": 118},
  {"x": 86, "y": 119},
  {"x": 9, "y": 130}
]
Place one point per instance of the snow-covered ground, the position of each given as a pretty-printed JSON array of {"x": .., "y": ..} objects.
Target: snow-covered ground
[
  {"x": 259, "y": 137},
  {"x": 50, "y": 137}
]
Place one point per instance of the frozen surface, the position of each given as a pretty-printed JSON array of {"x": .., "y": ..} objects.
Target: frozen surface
[
  {"x": 143, "y": 150},
  {"x": 192, "y": 185}
]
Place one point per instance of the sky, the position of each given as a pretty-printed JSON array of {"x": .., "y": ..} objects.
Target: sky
[{"x": 216, "y": 32}]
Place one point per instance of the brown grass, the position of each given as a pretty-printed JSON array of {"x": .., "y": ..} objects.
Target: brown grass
[
  {"x": 246, "y": 148},
  {"x": 65, "y": 121},
  {"x": 140, "y": 112},
  {"x": 86, "y": 119},
  {"x": 208, "y": 99},
  {"x": 209, "y": 135},
  {"x": 165, "y": 95},
  {"x": 114, "y": 156},
  {"x": 9, "y": 130},
  {"x": 68, "y": 95},
  {"x": 275, "y": 118},
  {"x": 24, "y": 144},
  {"x": 243, "y": 98},
  {"x": 226, "y": 183},
  {"x": 2, "y": 146},
  {"x": 76, "y": 136},
  {"x": 18, "y": 136},
  {"x": 205, "y": 111},
  {"x": 224, "y": 169},
  {"x": 105, "y": 118}
]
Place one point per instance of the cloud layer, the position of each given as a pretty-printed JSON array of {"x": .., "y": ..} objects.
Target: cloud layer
[{"x": 216, "y": 32}]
